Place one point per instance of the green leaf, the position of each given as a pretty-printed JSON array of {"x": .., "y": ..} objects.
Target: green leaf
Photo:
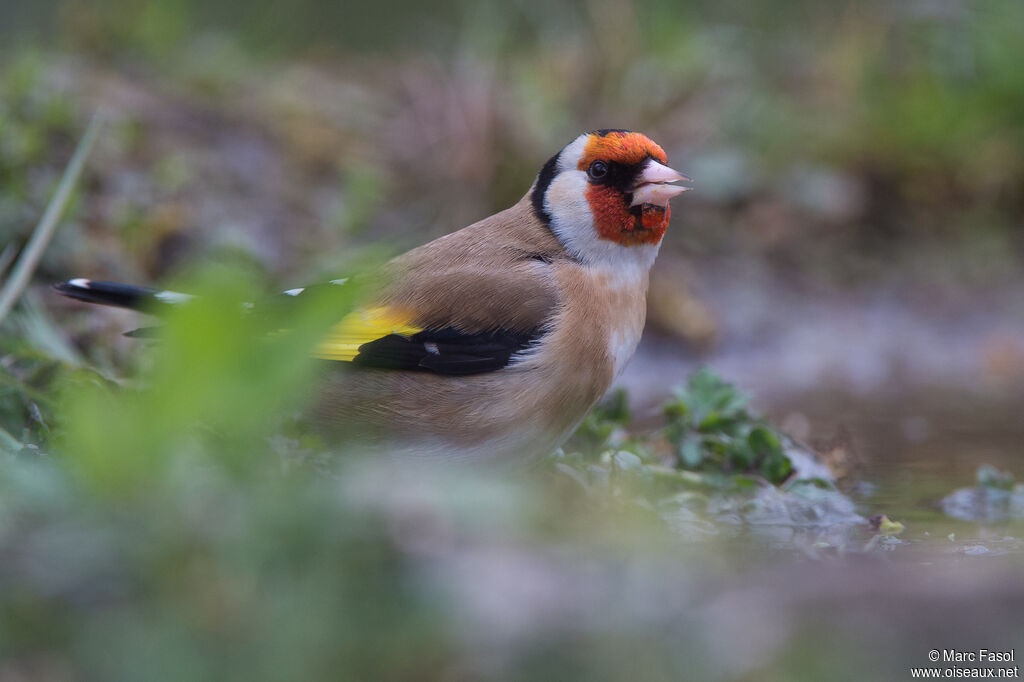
[
  {"x": 676, "y": 409},
  {"x": 819, "y": 483},
  {"x": 776, "y": 469},
  {"x": 707, "y": 394},
  {"x": 614, "y": 408},
  {"x": 764, "y": 443},
  {"x": 741, "y": 456}
]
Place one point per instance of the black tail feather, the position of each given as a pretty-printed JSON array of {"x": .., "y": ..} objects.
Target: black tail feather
[{"x": 110, "y": 293}]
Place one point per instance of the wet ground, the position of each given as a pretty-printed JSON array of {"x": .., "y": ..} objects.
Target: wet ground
[{"x": 907, "y": 398}]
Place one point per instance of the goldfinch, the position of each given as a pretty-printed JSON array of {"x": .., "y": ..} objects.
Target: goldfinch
[{"x": 494, "y": 342}]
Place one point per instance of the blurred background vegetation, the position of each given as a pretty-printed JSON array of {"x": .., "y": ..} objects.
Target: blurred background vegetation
[{"x": 853, "y": 254}]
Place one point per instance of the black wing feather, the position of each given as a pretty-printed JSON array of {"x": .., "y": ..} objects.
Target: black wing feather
[{"x": 445, "y": 351}]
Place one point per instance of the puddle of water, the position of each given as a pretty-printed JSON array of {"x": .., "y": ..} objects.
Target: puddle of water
[
  {"x": 904, "y": 451},
  {"x": 912, "y": 450},
  {"x": 854, "y": 373}
]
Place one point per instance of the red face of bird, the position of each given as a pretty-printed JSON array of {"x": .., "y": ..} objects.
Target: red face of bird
[{"x": 607, "y": 190}]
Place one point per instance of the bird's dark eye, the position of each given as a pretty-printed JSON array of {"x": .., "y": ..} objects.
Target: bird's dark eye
[{"x": 597, "y": 170}]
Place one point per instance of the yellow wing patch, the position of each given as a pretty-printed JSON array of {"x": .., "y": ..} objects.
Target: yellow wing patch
[{"x": 362, "y": 326}]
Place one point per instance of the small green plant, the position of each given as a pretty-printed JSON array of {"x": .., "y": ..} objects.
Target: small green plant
[
  {"x": 710, "y": 445},
  {"x": 710, "y": 428}
]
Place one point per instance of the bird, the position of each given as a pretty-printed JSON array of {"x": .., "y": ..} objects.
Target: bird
[{"x": 492, "y": 343}]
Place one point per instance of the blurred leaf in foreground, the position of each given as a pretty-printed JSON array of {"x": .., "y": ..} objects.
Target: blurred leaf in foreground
[{"x": 219, "y": 375}]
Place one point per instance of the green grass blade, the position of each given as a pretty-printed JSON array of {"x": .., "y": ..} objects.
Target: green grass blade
[
  {"x": 7, "y": 257},
  {"x": 29, "y": 259}
]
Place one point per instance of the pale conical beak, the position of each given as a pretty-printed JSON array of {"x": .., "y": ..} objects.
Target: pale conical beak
[{"x": 652, "y": 188}]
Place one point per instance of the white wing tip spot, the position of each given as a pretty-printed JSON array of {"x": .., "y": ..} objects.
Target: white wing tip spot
[
  {"x": 80, "y": 282},
  {"x": 172, "y": 297}
]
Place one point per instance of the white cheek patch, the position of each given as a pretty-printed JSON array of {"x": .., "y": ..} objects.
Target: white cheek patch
[{"x": 572, "y": 221}]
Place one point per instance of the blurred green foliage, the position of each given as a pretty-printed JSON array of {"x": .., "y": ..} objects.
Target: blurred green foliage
[
  {"x": 37, "y": 359},
  {"x": 164, "y": 525},
  {"x": 219, "y": 374},
  {"x": 35, "y": 122}
]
